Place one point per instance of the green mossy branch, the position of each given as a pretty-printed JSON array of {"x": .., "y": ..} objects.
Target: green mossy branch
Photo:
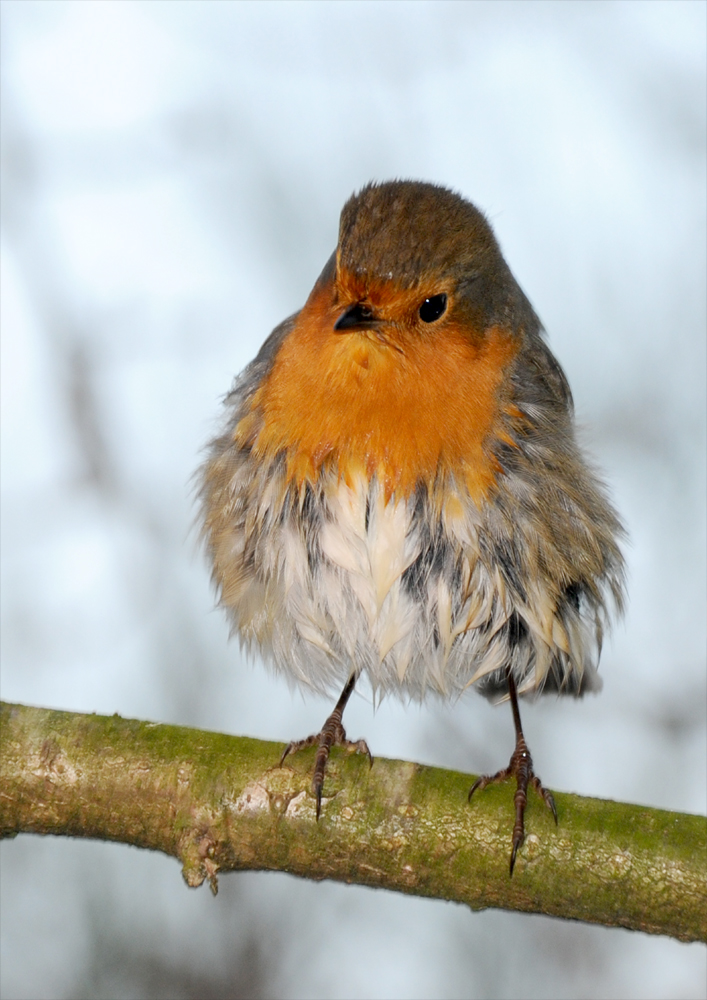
[{"x": 220, "y": 803}]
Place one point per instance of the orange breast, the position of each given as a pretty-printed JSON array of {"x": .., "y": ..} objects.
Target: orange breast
[{"x": 406, "y": 407}]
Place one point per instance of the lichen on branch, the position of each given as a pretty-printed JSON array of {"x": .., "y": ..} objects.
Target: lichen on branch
[{"x": 221, "y": 803}]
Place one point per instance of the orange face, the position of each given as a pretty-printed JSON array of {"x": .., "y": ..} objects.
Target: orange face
[{"x": 402, "y": 399}]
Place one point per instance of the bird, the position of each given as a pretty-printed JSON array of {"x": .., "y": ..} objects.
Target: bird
[{"x": 397, "y": 495}]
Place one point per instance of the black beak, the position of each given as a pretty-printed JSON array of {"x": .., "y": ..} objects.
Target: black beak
[{"x": 358, "y": 315}]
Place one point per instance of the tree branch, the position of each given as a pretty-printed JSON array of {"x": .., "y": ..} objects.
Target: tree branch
[{"x": 220, "y": 803}]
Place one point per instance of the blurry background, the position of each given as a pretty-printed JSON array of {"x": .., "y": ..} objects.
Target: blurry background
[{"x": 172, "y": 179}]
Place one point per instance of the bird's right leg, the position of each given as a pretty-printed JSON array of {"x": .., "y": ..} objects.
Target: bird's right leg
[{"x": 332, "y": 734}]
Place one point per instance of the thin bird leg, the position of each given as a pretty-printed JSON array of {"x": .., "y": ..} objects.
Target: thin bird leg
[
  {"x": 332, "y": 734},
  {"x": 521, "y": 768}
]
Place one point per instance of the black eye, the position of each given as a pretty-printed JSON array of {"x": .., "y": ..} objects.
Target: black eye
[{"x": 432, "y": 308}]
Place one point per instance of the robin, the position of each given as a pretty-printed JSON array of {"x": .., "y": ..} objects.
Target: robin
[{"x": 398, "y": 492}]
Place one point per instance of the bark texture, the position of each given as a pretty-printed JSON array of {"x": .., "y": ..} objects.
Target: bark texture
[{"x": 220, "y": 803}]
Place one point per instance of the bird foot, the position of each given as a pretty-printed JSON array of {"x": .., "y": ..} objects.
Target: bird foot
[
  {"x": 332, "y": 734},
  {"x": 520, "y": 767}
]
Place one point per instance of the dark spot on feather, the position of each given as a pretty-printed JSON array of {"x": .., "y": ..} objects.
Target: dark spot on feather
[
  {"x": 573, "y": 594},
  {"x": 517, "y": 630},
  {"x": 430, "y": 563},
  {"x": 502, "y": 551}
]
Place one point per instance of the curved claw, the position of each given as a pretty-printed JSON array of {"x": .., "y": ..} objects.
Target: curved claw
[
  {"x": 488, "y": 779},
  {"x": 294, "y": 746},
  {"x": 516, "y": 845}
]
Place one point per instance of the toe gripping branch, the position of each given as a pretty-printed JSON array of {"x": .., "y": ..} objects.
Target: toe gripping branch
[
  {"x": 520, "y": 767},
  {"x": 332, "y": 734}
]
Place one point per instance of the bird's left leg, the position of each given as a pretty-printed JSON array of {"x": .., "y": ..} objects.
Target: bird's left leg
[
  {"x": 521, "y": 768},
  {"x": 332, "y": 734}
]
